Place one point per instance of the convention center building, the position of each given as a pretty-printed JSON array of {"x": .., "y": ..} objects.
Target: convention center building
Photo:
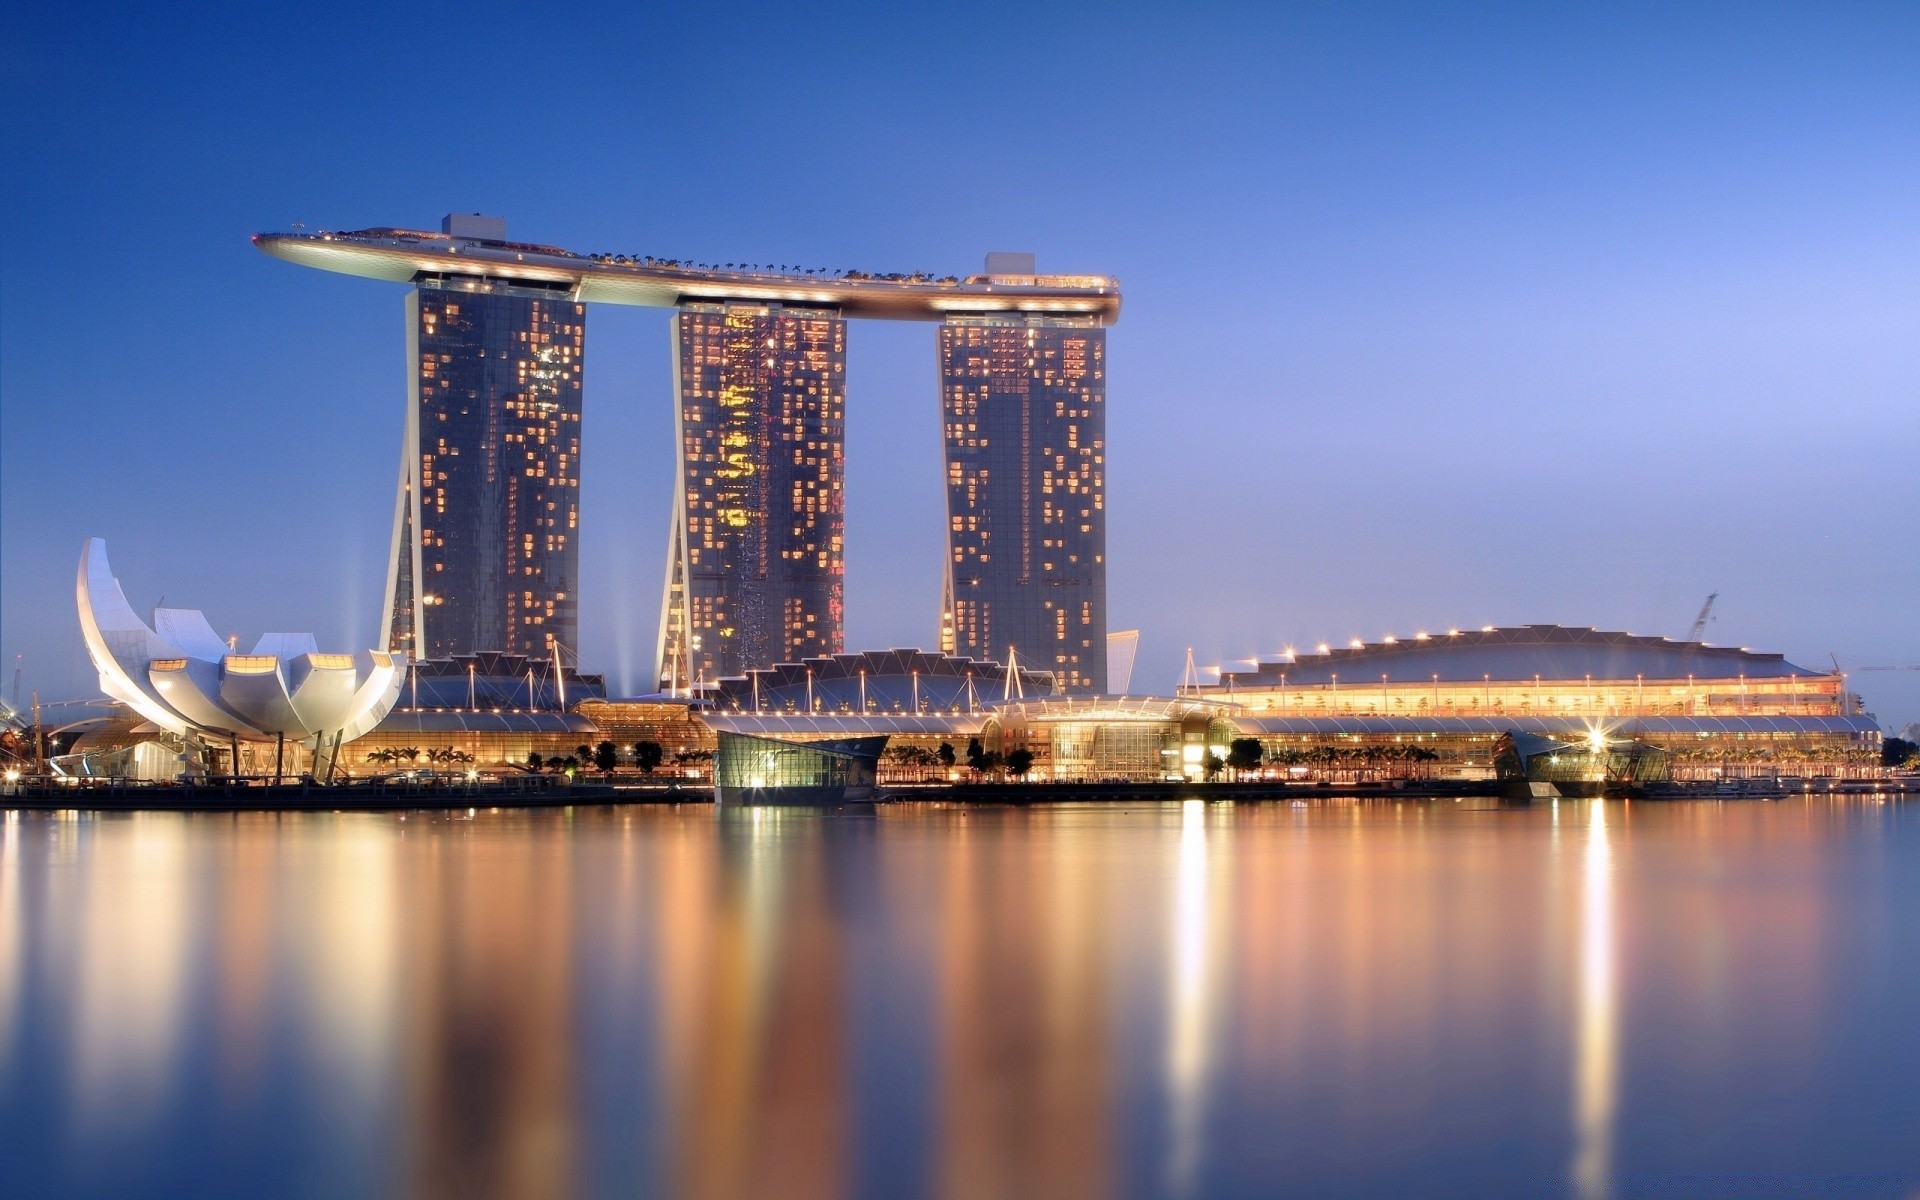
[{"x": 1442, "y": 700}]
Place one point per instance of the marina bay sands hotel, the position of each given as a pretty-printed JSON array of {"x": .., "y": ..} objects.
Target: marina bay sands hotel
[{"x": 486, "y": 540}]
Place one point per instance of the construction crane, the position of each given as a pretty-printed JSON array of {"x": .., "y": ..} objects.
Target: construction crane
[
  {"x": 1700, "y": 622},
  {"x": 1837, "y": 667}
]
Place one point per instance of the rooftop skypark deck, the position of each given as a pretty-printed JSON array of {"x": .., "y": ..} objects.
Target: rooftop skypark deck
[{"x": 404, "y": 255}]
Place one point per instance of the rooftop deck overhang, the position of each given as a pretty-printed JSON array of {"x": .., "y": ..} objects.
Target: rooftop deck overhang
[{"x": 401, "y": 256}]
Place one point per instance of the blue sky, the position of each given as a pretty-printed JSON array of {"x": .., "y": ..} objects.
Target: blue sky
[{"x": 1436, "y": 315}]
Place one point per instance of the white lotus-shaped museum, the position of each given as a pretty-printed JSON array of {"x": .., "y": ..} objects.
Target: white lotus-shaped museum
[{"x": 181, "y": 676}]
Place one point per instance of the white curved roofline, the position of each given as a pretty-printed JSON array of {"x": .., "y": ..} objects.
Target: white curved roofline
[{"x": 400, "y": 255}]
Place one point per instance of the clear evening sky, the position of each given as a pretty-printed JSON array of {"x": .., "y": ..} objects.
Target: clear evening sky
[{"x": 1435, "y": 315}]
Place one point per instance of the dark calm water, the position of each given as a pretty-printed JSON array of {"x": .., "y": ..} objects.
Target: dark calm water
[{"x": 1383, "y": 999}]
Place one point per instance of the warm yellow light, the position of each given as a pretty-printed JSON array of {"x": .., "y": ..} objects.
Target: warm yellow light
[{"x": 1356, "y": 643}]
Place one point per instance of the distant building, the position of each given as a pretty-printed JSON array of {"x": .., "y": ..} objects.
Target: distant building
[
  {"x": 1023, "y": 402},
  {"x": 486, "y": 549},
  {"x": 756, "y": 566},
  {"x": 1122, "y": 648}
]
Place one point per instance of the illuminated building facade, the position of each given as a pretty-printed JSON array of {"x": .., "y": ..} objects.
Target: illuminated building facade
[
  {"x": 1023, "y": 402},
  {"x": 1532, "y": 671},
  {"x": 486, "y": 548},
  {"x": 486, "y": 528},
  {"x": 755, "y": 559},
  {"x": 1446, "y": 700}
]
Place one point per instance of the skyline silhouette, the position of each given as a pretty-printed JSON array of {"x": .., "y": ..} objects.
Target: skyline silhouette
[{"x": 1432, "y": 319}]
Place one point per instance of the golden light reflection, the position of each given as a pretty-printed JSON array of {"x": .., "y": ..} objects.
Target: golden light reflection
[
  {"x": 1056, "y": 1001},
  {"x": 1023, "y": 1028},
  {"x": 136, "y": 906},
  {"x": 760, "y": 1106},
  {"x": 1192, "y": 1002},
  {"x": 347, "y": 902},
  {"x": 12, "y": 935},
  {"x": 1595, "y": 1081}
]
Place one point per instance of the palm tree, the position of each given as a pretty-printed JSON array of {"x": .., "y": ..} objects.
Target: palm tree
[
  {"x": 1212, "y": 765},
  {"x": 382, "y": 755},
  {"x": 1019, "y": 762}
]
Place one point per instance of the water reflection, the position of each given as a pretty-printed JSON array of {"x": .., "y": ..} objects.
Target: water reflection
[
  {"x": 135, "y": 908},
  {"x": 1165, "y": 1000},
  {"x": 1594, "y": 1071},
  {"x": 1196, "y": 965},
  {"x": 1023, "y": 1012}
]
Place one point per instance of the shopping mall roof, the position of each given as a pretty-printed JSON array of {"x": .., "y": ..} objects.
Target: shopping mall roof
[
  {"x": 844, "y": 725},
  {"x": 460, "y": 720},
  {"x": 1113, "y": 709},
  {"x": 1551, "y": 652}
]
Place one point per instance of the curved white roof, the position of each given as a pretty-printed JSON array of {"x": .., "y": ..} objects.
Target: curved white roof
[{"x": 402, "y": 255}]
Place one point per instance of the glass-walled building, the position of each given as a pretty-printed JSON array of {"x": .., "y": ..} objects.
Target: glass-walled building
[
  {"x": 755, "y": 562},
  {"x": 486, "y": 546},
  {"x": 1023, "y": 401},
  {"x": 755, "y": 769}
]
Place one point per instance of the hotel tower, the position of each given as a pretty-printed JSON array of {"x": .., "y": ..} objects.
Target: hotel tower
[
  {"x": 486, "y": 550},
  {"x": 486, "y": 528},
  {"x": 1023, "y": 402},
  {"x": 755, "y": 562}
]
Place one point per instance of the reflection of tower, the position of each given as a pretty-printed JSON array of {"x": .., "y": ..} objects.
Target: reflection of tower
[
  {"x": 486, "y": 526},
  {"x": 764, "y": 1109},
  {"x": 1023, "y": 400},
  {"x": 490, "y": 1039},
  {"x": 1024, "y": 1042},
  {"x": 755, "y": 565}
]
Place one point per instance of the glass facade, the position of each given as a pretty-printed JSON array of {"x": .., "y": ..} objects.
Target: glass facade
[
  {"x": 749, "y": 770},
  {"x": 1023, "y": 402},
  {"x": 486, "y": 527},
  {"x": 756, "y": 563}
]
